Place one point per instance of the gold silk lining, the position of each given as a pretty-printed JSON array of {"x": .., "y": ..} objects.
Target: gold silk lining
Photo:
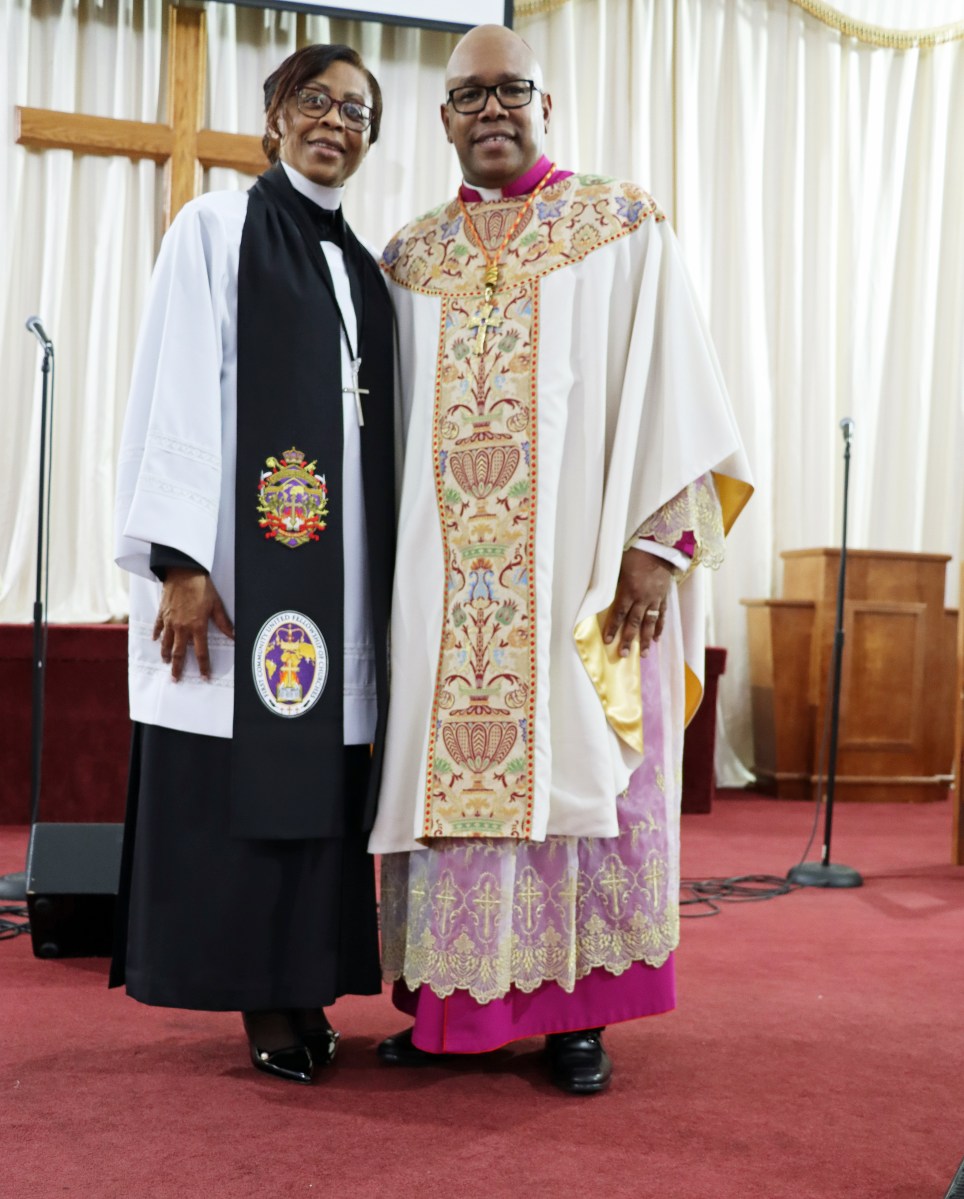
[
  {"x": 615, "y": 679},
  {"x": 733, "y": 495},
  {"x": 706, "y": 508},
  {"x": 693, "y": 694}
]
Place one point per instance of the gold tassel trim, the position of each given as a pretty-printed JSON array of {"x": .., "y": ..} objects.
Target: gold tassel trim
[
  {"x": 861, "y": 31},
  {"x": 877, "y": 35}
]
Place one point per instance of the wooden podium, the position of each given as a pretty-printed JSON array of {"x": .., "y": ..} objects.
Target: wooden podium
[{"x": 897, "y": 699}]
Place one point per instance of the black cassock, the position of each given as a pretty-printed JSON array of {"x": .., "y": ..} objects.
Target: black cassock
[{"x": 246, "y": 883}]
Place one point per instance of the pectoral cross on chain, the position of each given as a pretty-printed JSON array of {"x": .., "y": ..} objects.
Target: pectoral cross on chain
[
  {"x": 356, "y": 391},
  {"x": 484, "y": 320}
]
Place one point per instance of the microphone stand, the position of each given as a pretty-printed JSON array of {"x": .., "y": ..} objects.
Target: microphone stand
[
  {"x": 824, "y": 873},
  {"x": 14, "y": 886}
]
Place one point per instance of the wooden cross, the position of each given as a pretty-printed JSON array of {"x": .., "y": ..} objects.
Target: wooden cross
[
  {"x": 484, "y": 321},
  {"x": 181, "y": 145}
]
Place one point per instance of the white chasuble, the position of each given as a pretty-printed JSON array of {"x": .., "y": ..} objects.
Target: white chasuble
[
  {"x": 540, "y": 435},
  {"x": 176, "y": 471}
]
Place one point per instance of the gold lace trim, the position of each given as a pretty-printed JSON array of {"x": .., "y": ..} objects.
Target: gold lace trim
[
  {"x": 487, "y": 937},
  {"x": 696, "y": 509}
]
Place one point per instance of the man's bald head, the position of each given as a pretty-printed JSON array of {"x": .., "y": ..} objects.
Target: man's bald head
[
  {"x": 499, "y": 142},
  {"x": 492, "y": 46}
]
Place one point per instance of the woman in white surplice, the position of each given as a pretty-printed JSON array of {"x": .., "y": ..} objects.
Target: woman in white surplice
[{"x": 256, "y": 518}]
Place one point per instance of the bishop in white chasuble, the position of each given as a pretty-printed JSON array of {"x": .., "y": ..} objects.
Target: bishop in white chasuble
[{"x": 562, "y": 406}]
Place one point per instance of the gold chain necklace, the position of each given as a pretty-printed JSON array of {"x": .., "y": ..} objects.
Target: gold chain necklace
[{"x": 484, "y": 319}]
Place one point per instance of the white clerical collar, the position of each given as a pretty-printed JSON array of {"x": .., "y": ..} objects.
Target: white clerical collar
[
  {"x": 487, "y": 193},
  {"x": 324, "y": 197}
]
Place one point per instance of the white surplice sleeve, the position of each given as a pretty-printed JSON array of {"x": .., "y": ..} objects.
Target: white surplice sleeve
[
  {"x": 176, "y": 471},
  {"x": 169, "y": 471}
]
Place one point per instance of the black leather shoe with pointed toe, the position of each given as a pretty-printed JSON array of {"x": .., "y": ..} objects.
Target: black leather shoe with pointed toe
[
  {"x": 317, "y": 1036},
  {"x": 292, "y": 1062}
]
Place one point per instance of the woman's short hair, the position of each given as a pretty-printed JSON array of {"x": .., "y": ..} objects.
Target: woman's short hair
[{"x": 296, "y": 70}]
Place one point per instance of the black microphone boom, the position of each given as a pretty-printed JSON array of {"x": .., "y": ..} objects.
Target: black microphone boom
[
  {"x": 34, "y": 325},
  {"x": 823, "y": 873},
  {"x": 14, "y": 886}
]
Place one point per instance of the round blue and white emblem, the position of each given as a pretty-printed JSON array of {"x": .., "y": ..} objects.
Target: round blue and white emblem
[{"x": 290, "y": 664}]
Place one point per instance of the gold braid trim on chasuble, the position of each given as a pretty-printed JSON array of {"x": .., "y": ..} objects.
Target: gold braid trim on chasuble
[{"x": 480, "y": 766}]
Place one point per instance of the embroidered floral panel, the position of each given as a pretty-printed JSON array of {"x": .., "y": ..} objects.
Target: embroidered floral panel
[{"x": 480, "y": 758}]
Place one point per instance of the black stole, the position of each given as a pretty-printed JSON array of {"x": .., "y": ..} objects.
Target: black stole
[{"x": 288, "y": 772}]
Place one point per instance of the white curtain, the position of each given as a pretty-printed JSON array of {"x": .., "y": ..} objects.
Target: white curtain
[
  {"x": 816, "y": 183},
  {"x": 820, "y": 189},
  {"x": 77, "y": 248}
]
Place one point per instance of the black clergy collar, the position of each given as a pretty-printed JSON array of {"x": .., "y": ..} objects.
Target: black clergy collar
[
  {"x": 328, "y": 225},
  {"x": 322, "y": 205}
]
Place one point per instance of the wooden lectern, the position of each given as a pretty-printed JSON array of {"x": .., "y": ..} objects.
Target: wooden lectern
[{"x": 897, "y": 708}]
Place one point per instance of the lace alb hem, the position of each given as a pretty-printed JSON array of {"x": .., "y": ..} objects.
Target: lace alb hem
[{"x": 483, "y": 994}]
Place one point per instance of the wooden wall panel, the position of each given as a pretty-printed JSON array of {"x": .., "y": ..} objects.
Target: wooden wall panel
[
  {"x": 779, "y": 632},
  {"x": 882, "y": 686}
]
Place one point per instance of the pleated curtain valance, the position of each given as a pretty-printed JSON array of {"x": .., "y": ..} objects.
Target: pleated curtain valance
[{"x": 874, "y": 22}]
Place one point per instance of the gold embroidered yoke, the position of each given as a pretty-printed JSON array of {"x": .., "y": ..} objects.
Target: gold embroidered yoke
[{"x": 554, "y": 439}]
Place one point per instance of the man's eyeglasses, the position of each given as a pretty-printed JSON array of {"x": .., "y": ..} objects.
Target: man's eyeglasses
[
  {"x": 516, "y": 93},
  {"x": 355, "y": 116}
]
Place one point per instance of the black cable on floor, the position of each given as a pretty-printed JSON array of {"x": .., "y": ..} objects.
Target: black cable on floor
[
  {"x": 749, "y": 888},
  {"x": 10, "y": 928},
  {"x": 742, "y": 888}
]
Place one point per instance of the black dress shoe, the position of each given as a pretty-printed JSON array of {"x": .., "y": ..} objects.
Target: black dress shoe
[
  {"x": 577, "y": 1061},
  {"x": 399, "y": 1051},
  {"x": 320, "y": 1040},
  {"x": 292, "y": 1062}
]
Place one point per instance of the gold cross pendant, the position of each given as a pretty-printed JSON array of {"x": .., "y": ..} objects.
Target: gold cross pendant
[{"x": 485, "y": 319}]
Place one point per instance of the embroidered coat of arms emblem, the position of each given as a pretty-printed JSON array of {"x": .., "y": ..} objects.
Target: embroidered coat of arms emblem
[{"x": 292, "y": 500}]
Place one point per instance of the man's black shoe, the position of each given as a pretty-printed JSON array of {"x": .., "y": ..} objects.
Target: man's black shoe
[
  {"x": 399, "y": 1051},
  {"x": 577, "y": 1061}
]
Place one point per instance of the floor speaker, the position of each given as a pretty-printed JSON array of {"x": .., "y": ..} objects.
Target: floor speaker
[
  {"x": 72, "y": 876},
  {"x": 956, "y": 1189}
]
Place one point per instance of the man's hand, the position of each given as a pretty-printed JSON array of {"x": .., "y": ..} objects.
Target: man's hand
[
  {"x": 639, "y": 607},
  {"x": 188, "y": 602}
]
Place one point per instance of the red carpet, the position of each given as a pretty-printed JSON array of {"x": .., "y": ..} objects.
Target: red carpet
[{"x": 817, "y": 1052}]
